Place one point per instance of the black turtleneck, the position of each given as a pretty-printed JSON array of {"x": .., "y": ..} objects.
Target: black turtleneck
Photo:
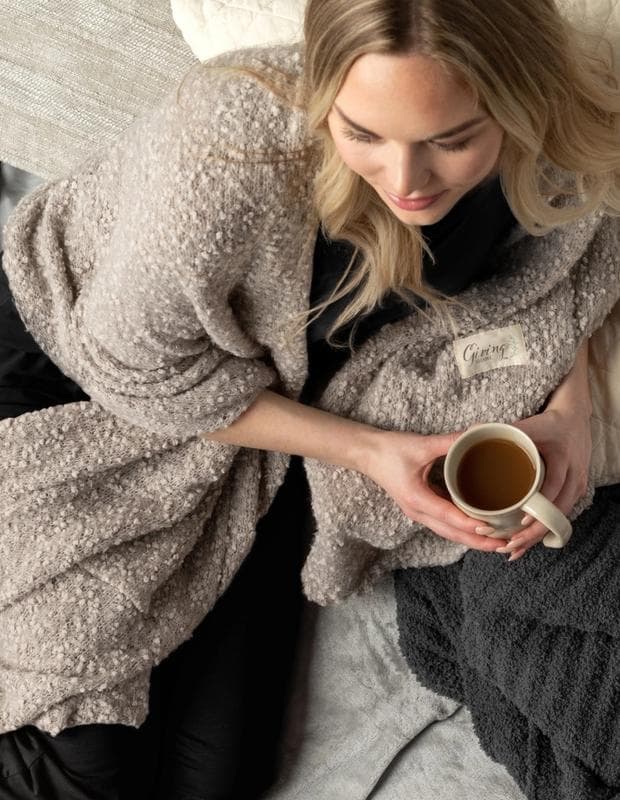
[{"x": 461, "y": 244}]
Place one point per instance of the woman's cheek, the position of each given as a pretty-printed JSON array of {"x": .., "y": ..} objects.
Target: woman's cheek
[
  {"x": 478, "y": 168},
  {"x": 474, "y": 169},
  {"x": 489, "y": 155},
  {"x": 362, "y": 164}
]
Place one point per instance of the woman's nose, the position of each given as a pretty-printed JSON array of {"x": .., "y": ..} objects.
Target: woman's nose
[{"x": 406, "y": 172}]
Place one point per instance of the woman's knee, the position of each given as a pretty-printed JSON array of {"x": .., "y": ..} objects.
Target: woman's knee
[{"x": 80, "y": 763}]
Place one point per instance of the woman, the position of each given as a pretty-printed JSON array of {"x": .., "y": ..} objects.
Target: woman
[{"x": 369, "y": 175}]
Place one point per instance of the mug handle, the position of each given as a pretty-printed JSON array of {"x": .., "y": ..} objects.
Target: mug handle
[{"x": 560, "y": 529}]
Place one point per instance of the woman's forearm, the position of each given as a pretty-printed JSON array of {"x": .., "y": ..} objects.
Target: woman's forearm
[
  {"x": 396, "y": 461},
  {"x": 573, "y": 394},
  {"x": 274, "y": 422}
]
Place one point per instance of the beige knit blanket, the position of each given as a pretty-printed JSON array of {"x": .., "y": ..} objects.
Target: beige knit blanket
[{"x": 117, "y": 541}]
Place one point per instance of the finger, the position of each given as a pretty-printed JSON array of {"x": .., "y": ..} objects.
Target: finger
[
  {"x": 518, "y": 554},
  {"x": 527, "y": 537},
  {"x": 431, "y": 505},
  {"x": 438, "y": 445},
  {"x": 474, "y": 541},
  {"x": 555, "y": 480},
  {"x": 572, "y": 491}
]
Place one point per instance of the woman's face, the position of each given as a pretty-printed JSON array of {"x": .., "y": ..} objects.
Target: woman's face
[{"x": 414, "y": 133}]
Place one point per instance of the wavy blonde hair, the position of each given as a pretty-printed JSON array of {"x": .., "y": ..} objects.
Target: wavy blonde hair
[{"x": 551, "y": 87}]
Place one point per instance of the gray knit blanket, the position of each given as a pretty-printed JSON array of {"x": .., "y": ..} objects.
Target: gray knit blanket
[{"x": 533, "y": 649}]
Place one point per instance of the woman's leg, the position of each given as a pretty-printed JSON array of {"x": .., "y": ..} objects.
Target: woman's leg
[
  {"x": 229, "y": 684},
  {"x": 81, "y": 763}
]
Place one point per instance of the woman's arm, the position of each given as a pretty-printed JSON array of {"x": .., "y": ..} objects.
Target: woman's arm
[
  {"x": 274, "y": 422},
  {"x": 398, "y": 462},
  {"x": 563, "y": 435}
]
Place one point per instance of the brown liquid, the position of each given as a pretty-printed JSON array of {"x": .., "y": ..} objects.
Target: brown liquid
[{"x": 494, "y": 474}]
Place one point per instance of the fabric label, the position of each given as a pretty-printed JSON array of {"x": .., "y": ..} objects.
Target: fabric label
[{"x": 481, "y": 352}]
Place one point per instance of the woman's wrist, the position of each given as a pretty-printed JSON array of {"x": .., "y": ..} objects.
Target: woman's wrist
[{"x": 366, "y": 448}]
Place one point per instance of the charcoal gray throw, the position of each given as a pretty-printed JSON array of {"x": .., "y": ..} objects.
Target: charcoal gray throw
[{"x": 533, "y": 649}]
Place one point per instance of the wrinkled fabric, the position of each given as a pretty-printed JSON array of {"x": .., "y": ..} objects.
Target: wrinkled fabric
[{"x": 533, "y": 649}]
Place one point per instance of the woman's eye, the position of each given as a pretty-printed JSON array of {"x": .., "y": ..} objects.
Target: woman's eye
[
  {"x": 354, "y": 136},
  {"x": 453, "y": 147}
]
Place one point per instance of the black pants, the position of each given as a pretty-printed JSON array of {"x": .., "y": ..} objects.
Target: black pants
[{"x": 217, "y": 703}]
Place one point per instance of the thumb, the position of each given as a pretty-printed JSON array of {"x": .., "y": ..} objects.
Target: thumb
[{"x": 438, "y": 445}]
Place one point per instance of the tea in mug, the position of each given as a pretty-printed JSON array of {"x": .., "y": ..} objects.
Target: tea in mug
[{"x": 494, "y": 474}]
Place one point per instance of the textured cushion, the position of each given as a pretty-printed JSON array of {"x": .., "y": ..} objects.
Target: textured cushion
[
  {"x": 214, "y": 26},
  {"x": 74, "y": 75}
]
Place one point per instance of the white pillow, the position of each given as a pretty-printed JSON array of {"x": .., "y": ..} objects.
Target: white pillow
[
  {"x": 211, "y": 27},
  {"x": 601, "y": 17}
]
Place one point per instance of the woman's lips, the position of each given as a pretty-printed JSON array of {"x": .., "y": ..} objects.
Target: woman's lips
[{"x": 414, "y": 205}]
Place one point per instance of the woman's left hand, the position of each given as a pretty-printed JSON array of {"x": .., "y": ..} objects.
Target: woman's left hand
[{"x": 563, "y": 436}]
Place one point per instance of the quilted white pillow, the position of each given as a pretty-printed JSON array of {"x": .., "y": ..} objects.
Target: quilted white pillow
[
  {"x": 215, "y": 26},
  {"x": 211, "y": 27},
  {"x": 597, "y": 16}
]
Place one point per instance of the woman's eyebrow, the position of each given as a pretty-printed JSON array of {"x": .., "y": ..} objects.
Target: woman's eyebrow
[{"x": 443, "y": 135}]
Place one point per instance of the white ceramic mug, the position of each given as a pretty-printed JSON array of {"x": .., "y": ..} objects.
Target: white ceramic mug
[{"x": 507, "y": 521}]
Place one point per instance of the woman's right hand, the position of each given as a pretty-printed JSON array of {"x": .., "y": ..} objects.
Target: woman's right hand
[{"x": 400, "y": 463}]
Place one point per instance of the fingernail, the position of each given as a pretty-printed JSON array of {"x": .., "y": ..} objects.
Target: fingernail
[
  {"x": 514, "y": 557},
  {"x": 485, "y": 530},
  {"x": 504, "y": 549},
  {"x": 511, "y": 546},
  {"x": 527, "y": 520}
]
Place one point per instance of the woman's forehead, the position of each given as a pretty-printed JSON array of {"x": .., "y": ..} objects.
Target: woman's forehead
[{"x": 412, "y": 94}]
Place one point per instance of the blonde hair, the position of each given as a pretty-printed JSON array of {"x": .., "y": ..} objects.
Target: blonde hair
[
  {"x": 560, "y": 112},
  {"x": 550, "y": 86}
]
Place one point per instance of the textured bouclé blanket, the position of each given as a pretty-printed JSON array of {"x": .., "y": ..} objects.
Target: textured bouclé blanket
[{"x": 533, "y": 649}]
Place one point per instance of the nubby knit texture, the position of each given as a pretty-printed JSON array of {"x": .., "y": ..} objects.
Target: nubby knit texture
[
  {"x": 533, "y": 650},
  {"x": 162, "y": 278}
]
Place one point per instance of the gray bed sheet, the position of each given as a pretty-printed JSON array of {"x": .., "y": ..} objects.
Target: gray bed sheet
[{"x": 363, "y": 727}]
